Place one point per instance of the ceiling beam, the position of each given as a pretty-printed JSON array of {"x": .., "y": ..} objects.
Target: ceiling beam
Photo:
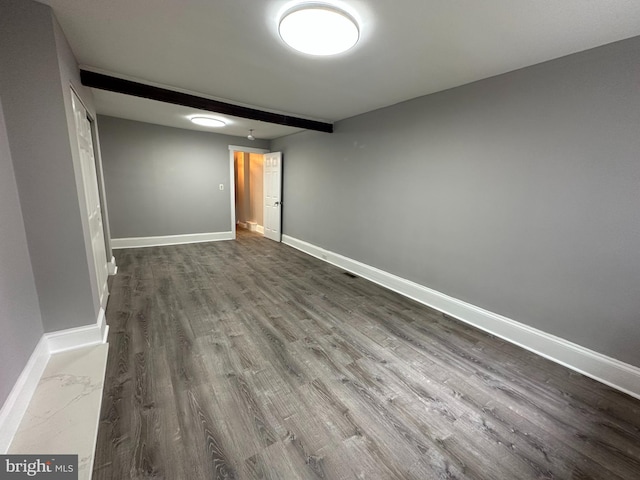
[{"x": 128, "y": 87}]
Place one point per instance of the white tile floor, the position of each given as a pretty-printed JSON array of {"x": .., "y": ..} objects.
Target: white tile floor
[{"x": 63, "y": 415}]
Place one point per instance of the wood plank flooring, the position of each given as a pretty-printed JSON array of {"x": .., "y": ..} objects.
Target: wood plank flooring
[{"x": 251, "y": 360}]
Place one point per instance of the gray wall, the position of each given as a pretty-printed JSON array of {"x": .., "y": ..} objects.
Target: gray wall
[
  {"x": 519, "y": 194},
  {"x": 20, "y": 320},
  {"x": 163, "y": 180},
  {"x": 34, "y": 94}
]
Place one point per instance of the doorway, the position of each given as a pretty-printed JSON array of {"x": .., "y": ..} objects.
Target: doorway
[{"x": 247, "y": 180}]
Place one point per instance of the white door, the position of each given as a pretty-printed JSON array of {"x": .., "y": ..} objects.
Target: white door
[
  {"x": 91, "y": 193},
  {"x": 273, "y": 196}
]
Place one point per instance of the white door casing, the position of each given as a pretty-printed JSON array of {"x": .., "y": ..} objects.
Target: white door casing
[
  {"x": 273, "y": 196},
  {"x": 91, "y": 193}
]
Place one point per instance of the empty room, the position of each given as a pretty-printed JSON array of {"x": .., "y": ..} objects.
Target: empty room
[{"x": 346, "y": 239}]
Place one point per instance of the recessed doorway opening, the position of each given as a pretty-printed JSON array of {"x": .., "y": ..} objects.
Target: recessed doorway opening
[
  {"x": 249, "y": 199},
  {"x": 246, "y": 188},
  {"x": 249, "y": 169}
]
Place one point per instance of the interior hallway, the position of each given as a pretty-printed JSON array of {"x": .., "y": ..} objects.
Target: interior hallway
[{"x": 249, "y": 359}]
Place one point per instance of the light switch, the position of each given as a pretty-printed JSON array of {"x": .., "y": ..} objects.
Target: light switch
[{"x": 222, "y": 186}]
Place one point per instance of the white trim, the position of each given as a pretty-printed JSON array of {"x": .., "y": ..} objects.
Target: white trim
[
  {"x": 242, "y": 225},
  {"x": 137, "y": 242},
  {"x": 101, "y": 323},
  {"x": 18, "y": 400},
  {"x": 232, "y": 189},
  {"x": 602, "y": 368},
  {"x": 254, "y": 227},
  {"x": 78, "y": 337},
  {"x": 112, "y": 267},
  {"x": 240, "y": 148},
  {"x": 105, "y": 296}
]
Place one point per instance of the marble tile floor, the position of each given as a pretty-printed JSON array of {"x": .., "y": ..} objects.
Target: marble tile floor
[{"x": 63, "y": 415}]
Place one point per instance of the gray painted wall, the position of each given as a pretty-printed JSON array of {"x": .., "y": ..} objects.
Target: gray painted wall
[
  {"x": 34, "y": 67},
  {"x": 163, "y": 180},
  {"x": 519, "y": 194},
  {"x": 20, "y": 320}
]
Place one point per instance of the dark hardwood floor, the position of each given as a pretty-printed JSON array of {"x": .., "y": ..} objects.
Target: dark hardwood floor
[{"x": 251, "y": 360}]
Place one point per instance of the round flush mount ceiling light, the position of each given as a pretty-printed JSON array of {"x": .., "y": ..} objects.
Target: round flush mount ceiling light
[
  {"x": 318, "y": 29},
  {"x": 208, "y": 122}
]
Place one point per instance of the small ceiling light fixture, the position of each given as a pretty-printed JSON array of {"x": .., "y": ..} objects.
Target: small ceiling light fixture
[
  {"x": 208, "y": 122},
  {"x": 318, "y": 29},
  {"x": 250, "y": 136}
]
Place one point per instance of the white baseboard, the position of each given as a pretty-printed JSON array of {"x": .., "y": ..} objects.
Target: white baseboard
[
  {"x": 254, "y": 227},
  {"x": 18, "y": 400},
  {"x": 137, "y": 242},
  {"x": 112, "y": 267},
  {"x": 50, "y": 343},
  {"x": 78, "y": 337},
  {"x": 242, "y": 225},
  {"x": 602, "y": 368},
  {"x": 104, "y": 297}
]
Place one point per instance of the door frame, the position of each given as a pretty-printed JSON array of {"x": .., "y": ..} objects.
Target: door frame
[
  {"x": 111, "y": 265},
  {"x": 232, "y": 182},
  {"x": 102, "y": 291}
]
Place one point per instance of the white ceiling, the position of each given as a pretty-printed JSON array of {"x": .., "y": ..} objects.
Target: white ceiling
[{"x": 230, "y": 49}]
